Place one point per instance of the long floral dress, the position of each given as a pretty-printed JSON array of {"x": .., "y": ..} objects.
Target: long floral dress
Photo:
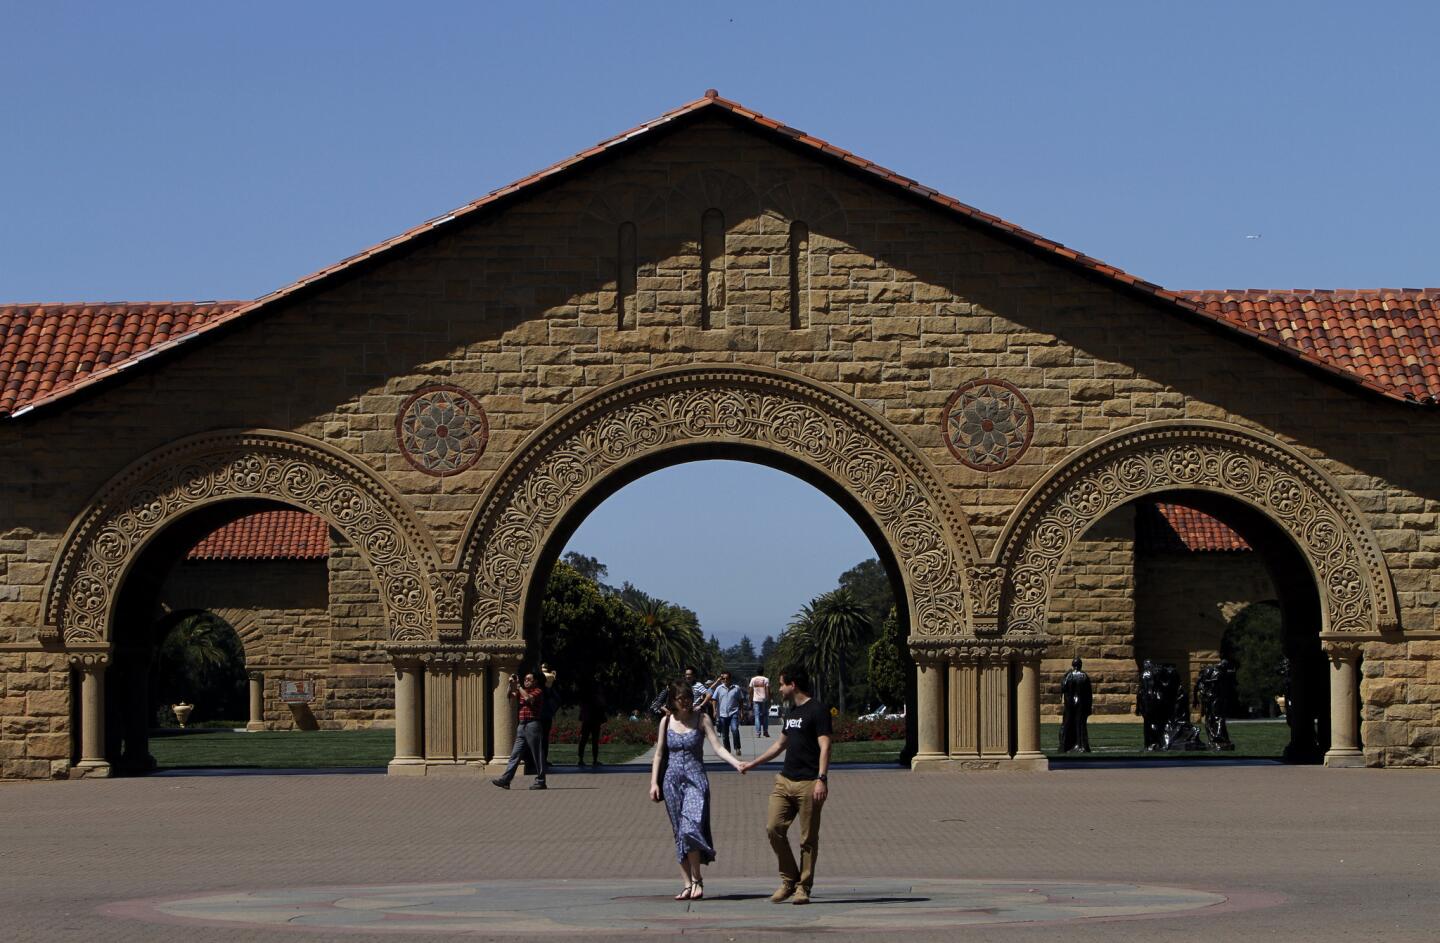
[{"x": 687, "y": 794}]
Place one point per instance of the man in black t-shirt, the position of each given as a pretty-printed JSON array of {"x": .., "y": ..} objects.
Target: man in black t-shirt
[{"x": 802, "y": 785}]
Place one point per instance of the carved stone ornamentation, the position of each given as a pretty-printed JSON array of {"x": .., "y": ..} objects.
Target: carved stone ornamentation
[
  {"x": 737, "y": 409},
  {"x": 988, "y": 424},
  {"x": 1356, "y": 594},
  {"x": 449, "y": 589},
  {"x": 984, "y": 585},
  {"x": 203, "y": 470},
  {"x": 442, "y": 430}
]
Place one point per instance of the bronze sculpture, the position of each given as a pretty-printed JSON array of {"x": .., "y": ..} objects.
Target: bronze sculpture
[
  {"x": 1077, "y": 697},
  {"x": 1214, "y": 687}
]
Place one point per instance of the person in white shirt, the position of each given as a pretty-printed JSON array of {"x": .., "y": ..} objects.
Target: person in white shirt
[{"x": 760, "y": 698}]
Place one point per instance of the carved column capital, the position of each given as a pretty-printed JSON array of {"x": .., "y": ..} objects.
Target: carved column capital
[
  {"x": 255, "y": 675},
  {"x": 90, "y": 661},
  {"x": 449, "y": 589},
  {"x": 983, "y": 591},
  {"x": 1338, "y": 651}
]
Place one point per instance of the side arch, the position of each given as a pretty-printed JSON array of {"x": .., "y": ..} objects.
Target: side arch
[
  {"x": 137, "y": 504},
  {"x": 744, "y": 408},
  {"x": 1356, "y": 592}
]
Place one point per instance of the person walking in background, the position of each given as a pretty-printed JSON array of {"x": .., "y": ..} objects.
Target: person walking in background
[
  {"x": 729, "y": 698},
  {"x": 700, "y": 689},
  {"x": 683, "y": 785},
  {"x": 760, "y": 701},
  {"x": 527, "y": 731},
  {"x": 592, "y": 718},
  {"x": 801, "y": 787}
]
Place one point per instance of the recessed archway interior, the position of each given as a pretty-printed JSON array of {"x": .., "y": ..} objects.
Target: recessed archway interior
[
  {"x": 1163, "y": 579},
  {"x": 275, "y": 582},
  {"x": 743, "y": 537}
]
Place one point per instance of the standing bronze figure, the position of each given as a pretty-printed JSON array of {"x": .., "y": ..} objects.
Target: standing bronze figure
[
  {"x": 1213, "y": 689},
  {"x": 1076, "y": 694}
]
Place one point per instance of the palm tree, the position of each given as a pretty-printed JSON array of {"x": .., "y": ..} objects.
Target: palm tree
[
  {"x": 841, "y": 622},
  {"x": 674, "y": 631}
]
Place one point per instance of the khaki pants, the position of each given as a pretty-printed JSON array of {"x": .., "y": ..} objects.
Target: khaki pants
[{"x": 790, "y": 799}]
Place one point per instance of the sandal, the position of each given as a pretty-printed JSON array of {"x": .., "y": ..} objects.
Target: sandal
[
  {"x": 685, "y": 894},
  {"x": 697, "y": 890}
]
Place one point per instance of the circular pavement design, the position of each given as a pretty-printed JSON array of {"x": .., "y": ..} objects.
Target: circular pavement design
[{"x": 561, "y": 906}]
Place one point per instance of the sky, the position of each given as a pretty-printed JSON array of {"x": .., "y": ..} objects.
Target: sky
[{"x": 192, "y": 151}]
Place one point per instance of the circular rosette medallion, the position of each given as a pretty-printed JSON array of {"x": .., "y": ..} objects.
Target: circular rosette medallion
[
  {"x": 988, "y": 424},
  {"x": 442, "y": 430}
]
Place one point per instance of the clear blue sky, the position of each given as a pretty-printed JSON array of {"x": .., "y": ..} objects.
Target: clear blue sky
[{"x": 191, "y": 151}]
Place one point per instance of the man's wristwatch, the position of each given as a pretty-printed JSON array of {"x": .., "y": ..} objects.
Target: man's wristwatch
[{"x": 824, "y": 778}]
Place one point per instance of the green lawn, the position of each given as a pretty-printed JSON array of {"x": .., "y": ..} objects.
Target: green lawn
[
  {"x": 314, "y": 749},
  {"x": 367, "y": 748}
]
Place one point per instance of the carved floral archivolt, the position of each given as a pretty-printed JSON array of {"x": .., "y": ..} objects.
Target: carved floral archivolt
[
  {"x": 1354, "y": 585},
  {"x": 204, "y": 470},
  {"x": 750, "y": 407}
]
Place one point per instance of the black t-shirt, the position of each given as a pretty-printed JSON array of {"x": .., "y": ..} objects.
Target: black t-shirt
[{"x": 804, "y": 726}]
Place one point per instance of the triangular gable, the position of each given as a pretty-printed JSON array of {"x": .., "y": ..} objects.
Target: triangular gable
[{"x": 1404, "y": 381}]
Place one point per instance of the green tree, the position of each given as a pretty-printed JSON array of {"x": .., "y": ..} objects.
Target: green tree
[
  {"x": 201, "y": 661},
  {"x": 868, "y": 582},
  {"x": 890, "y": 663},
  {"x": 673, "y": 631},
  {"x": 588, "y": 567},
  {"x": 843, "y": 623},
  {"x": 593, "y": 639},
  {"x": 1255, "y": 642}
]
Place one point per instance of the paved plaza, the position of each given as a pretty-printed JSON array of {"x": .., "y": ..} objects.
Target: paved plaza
[{"x": 1190, "y": 853}]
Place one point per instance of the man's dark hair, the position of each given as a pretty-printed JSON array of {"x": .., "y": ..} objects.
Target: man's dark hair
[
  {"x": 798, "y": 676},
  {"x": 691, "y": 668}
]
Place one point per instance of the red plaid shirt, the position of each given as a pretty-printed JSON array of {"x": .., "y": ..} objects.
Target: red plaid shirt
[{"x": 530, "y": 701}]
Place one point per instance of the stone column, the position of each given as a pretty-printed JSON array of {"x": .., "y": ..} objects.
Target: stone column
[
  {"x": 1027, "y": 712},
  {"x": 472, "y": 713},
  {"x": 92, "y": 714},
  {"x": 409, "y": 713},
  {"x": 256, "y": 682},
  {"x": 995, "y": 706},
  {"x": 964, "y": 705},
  {"x": 502, "y": 712},
  {"x": 1344, "y": 705},
  {"x": 930, "y": 708}
]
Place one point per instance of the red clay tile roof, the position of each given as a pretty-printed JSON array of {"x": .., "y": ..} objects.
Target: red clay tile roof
[
  {"x": 1174, "y": 528},
  {"x": 47, "y": 349},
  {"x": 712, "y": 103},
  {"x": 267, "y": 535},
  {"x": 1386, "y": 338}
]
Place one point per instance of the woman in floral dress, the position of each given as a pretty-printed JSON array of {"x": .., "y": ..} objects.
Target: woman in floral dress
[{"x": 686, "y": 790}]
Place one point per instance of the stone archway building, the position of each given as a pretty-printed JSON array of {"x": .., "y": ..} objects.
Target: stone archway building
[{"x": 715, "y": 283}]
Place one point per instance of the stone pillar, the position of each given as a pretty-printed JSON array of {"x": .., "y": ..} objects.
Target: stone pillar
[
  {"x": 256, "y": 682},
  {"x": 92, "y": 714},
  {"x": 502, "y": 712},
  {"x": 409, "y": 713},
  {"x": 1344, "y": 705},
  {"x": 964, "y": 706},
  {"x": 1027, "y": 712},
  {"x": 995, "y": 706},
  {"x": 439, "y": 711},
  {"x": 930, "y": 712},
  {"x": 472, "y": 714}
]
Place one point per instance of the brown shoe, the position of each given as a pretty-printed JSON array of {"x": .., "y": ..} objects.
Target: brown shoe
[
  {"x": 801, "y": 896},
  {"x": 782, "y": 893}
]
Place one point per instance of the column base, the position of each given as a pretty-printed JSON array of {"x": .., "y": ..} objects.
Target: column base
[
  {"x": 922, "y": 762},
  {"x": 967, "y": 764},
  {"x": 1036, "y": 761},
  {"x": 90, "y": 769},
  {"x": 255, "y": 726},
  {"x": 410, "y": 766},
  {"x": 1345, "y": 759}
]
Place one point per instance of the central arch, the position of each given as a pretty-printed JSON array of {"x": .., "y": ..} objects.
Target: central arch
[{"x": 670, "y": 416}]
